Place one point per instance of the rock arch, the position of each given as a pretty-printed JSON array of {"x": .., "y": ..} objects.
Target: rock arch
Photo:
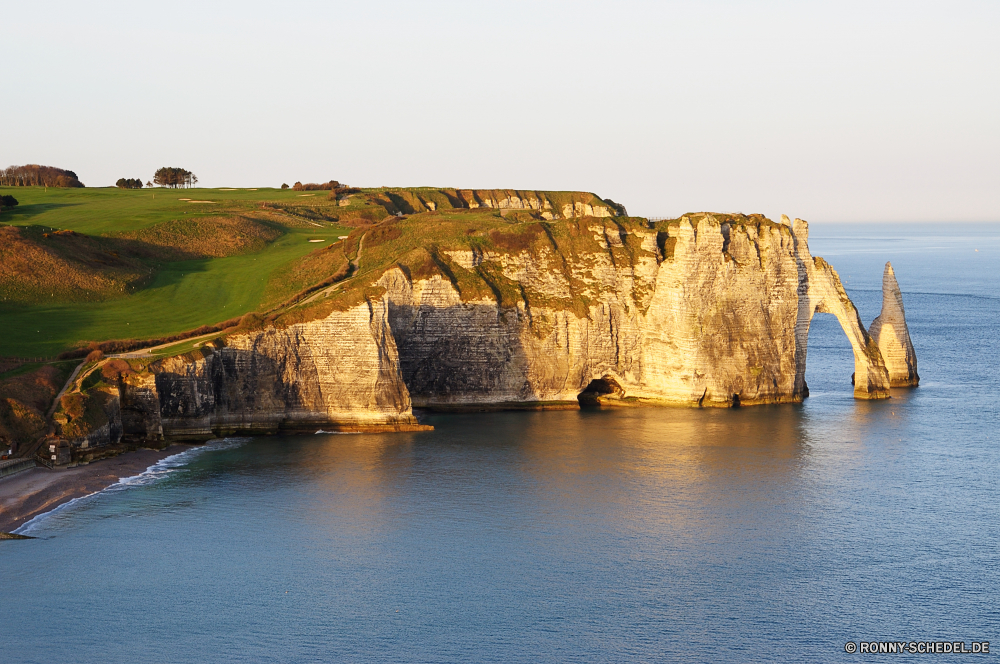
[{"x": 820, "y": 290}]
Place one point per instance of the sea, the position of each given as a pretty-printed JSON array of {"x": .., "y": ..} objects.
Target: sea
[{"x": 790, "y": 533}]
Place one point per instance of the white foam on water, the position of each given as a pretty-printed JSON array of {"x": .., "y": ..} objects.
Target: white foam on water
[
  {"x": 33, "y": 523},
  {"x": 154, "y": 473}
]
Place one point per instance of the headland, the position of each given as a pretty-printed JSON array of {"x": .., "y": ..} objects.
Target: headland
[{"x": 439, "y": 299}]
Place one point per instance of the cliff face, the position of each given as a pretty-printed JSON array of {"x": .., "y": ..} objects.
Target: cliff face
[
  {"x": 338, "y": 373},
  {"x": 705, "y": 313},
  {"x": 892, "y": 336},
  {"x": 707, "y": 310},
  {"x": 548, "y": 204}
]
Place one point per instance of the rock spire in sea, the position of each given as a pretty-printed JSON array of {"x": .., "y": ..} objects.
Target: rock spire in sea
[{"x": 892, "y": 336}]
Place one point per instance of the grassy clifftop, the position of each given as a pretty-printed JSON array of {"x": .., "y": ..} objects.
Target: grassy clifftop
[
  {"x": 90, "y": 265},
  {"x": 95, "y": 264},
  {"x": 80, "y": 265}
]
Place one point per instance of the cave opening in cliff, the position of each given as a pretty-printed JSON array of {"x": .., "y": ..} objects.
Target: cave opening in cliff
[{"x": 597, "y": 388}]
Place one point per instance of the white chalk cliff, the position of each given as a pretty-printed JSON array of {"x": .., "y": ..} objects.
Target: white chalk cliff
[
  {"x": 892, "y": 336},
  {"x": 705, "y": 311}
]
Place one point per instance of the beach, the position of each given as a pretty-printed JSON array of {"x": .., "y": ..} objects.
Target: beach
[{"x": 33, "y": 492}]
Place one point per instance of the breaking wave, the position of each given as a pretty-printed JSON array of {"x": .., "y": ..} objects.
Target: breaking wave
[{"x": 155, "y": 473}]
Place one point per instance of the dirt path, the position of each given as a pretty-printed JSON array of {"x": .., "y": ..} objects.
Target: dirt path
[
  {"x": 354, "y": 267},
  {"x": 144, "y": 352},
  {"x": 55, "y": 402}
]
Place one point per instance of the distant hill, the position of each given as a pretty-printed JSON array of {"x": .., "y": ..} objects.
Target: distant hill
[{"x": 33, "y": 175}]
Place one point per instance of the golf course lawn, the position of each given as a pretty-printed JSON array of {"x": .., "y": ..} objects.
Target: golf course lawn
[
  {"x": 108, "y": 210},
  {"x": 182, "y": 296}
]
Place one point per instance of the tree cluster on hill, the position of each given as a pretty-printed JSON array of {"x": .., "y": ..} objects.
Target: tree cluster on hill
[
  {"x": 312, "y": 186},
  {"x": 7, "y": 201},
  {"x": 174, "y": 177},
  {"x": 343, "y": 191},
  {"x": 129, "y": 183},
  {"x": 33, "y": 175}
]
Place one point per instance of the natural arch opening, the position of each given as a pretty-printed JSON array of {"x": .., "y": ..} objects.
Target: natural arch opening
[
  {"x": 830, "y": 366},
  {"x": 598, "y": 390}
]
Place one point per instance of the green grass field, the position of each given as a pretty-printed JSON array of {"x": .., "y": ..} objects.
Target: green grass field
[
  {"x": 108, "y": 209},
  {"x": 183, "y": 295},
  {"x": 40, "y": 316}
]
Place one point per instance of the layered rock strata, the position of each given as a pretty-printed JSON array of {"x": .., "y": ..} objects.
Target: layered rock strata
[
  {"x": 892, "y": 336},
  {"x": 339, "y": 373},
  {"x": 704, "y": 311},
  {"x": 549, "y": 205},
  {"x": 722, "y": 320}
]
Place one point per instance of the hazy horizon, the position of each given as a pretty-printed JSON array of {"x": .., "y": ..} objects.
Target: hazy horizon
[{"x": 854, "y": 112}]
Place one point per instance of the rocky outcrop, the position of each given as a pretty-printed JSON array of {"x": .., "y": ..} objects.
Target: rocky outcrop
[
  {"x": 717, "y": 315},
  {"x": 340, "y": 373},
  {"x": 547, "y": 204},
  {"x": 892, "y": 336},
  {"x": 824, "y": 293},
  {"x": 708, "y": 310}
]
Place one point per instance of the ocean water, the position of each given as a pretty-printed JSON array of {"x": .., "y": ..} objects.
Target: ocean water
[{"x": 758, "y": 534}]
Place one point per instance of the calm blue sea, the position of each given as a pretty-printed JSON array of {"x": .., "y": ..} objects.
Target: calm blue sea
[{"x": 650, "y": 535}]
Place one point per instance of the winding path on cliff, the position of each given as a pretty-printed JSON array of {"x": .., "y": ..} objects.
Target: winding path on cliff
[
  {"x": 354, "y": 265},
  {"x": 55, "y": 401}
]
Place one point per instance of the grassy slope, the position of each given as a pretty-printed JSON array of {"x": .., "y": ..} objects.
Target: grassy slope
[
  {"x": 108, "y": 210},
  {"x": 183, "y": 295},
  {"x": 186, "y": 294}
]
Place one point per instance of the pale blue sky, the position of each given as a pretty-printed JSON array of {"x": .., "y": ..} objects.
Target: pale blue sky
[{"x": 827, "y": 111}]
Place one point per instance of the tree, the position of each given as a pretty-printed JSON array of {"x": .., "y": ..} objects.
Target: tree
[
  {"x": 148, "y": 183},
  {"x": 312, "y": 186},
  {"x": 284, "y": 186},
  {"x": 173, "y": 177},
  {"x": 33, "y": 175},
  {"x": 7, "y": 201},
  {"x": 129, "y": 183}
]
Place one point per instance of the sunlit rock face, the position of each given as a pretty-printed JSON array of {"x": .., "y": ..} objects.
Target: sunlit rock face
[
  {"x": 704, "y": 311},
  {"x": 892, "y": 336},
  {"x": 338, "y": 373}
]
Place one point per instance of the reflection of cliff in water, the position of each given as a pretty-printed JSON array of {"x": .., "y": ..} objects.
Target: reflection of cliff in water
[
  {"x": 653, "y": 468},
  {"x": 667, "y": 465}
]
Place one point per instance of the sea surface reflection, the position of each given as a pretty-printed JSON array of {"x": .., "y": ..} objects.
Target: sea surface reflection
[{"x": 773, "y": 533}]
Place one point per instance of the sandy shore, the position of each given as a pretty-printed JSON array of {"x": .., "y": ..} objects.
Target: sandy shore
[{"x": 28, "y": 494}]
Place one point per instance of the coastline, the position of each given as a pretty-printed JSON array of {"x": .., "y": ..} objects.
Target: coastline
[{"x": 39, "y": 490}]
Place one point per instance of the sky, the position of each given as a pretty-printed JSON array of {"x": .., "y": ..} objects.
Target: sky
[{"x": 828, "y": 111}]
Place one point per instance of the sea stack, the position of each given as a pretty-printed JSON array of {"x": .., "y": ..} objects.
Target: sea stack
[{"x": 890, "y": 333}]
